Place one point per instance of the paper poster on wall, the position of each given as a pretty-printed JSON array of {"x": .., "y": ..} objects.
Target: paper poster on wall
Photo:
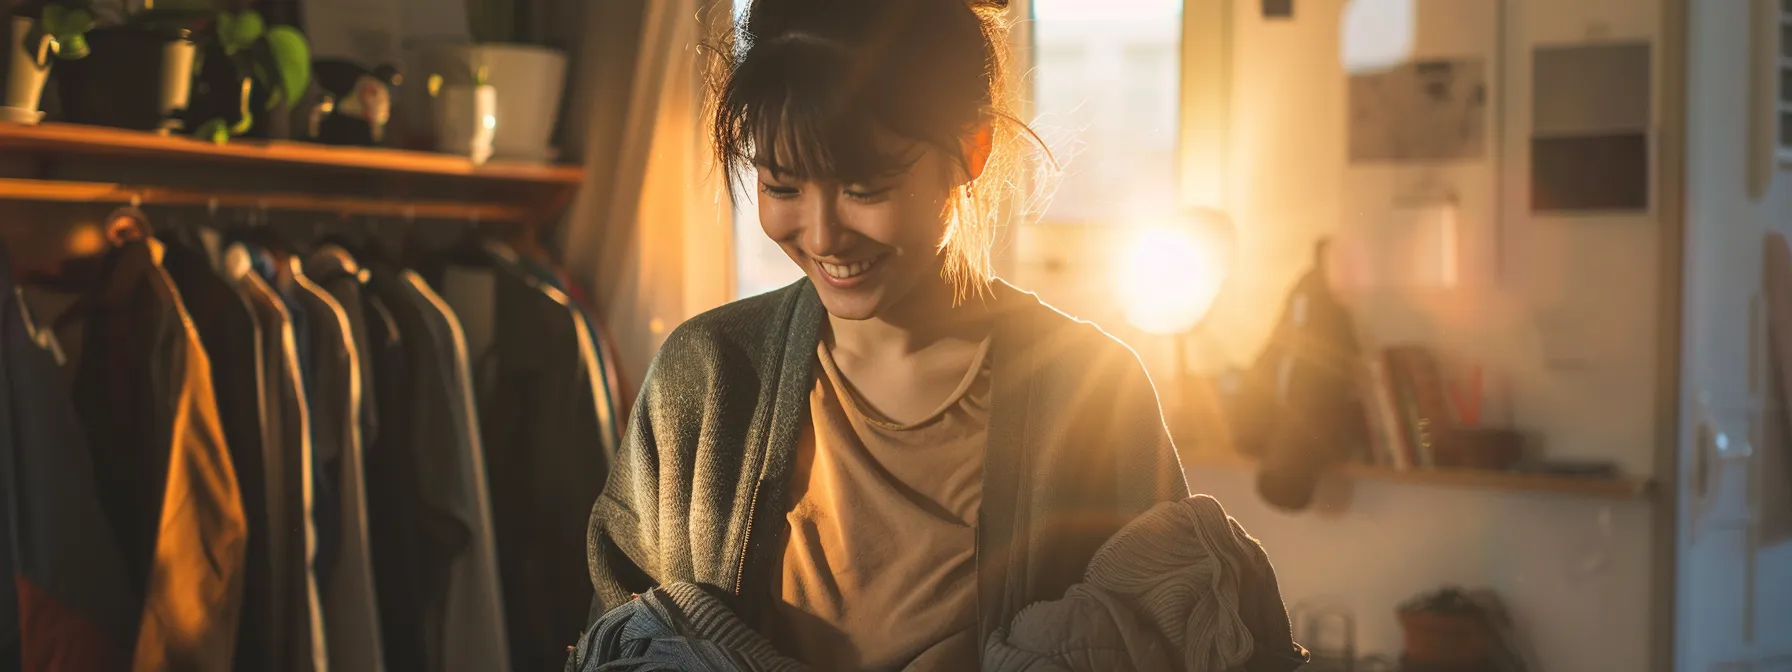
[
  {"x": 1420, "y": 112},
  {"x": 1590, "y": 116},
  {"x": 1590, "y": 173}
]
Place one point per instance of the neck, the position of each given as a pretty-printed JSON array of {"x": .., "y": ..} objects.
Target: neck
[{"x": 924, "y": 319}]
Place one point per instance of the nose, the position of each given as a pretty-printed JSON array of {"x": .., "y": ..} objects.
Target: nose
[{"x": 824, "y": 234}]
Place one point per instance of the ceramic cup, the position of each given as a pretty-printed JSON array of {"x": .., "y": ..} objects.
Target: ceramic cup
[
  {"x": 466, "y": 120},
  {"x": 24, "y": 79}
]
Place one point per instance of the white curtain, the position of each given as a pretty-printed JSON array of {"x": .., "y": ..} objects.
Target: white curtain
[{"x": 648, "y": 231}]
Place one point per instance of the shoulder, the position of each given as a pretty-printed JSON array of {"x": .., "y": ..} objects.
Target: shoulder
[
  {"x": 750, "y": 333},
  {"x": 1064, "y": 345}
]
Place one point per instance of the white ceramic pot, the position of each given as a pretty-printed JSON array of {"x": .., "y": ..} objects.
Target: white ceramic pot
[
  {"x": 24, "y": 79},
  {"x": 466, "y": 120},
  {"x": 177, "y": 80},
  {"x": 529, "y": 80}
]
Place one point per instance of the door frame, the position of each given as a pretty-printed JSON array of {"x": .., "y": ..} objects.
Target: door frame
[{"x": 1670, "y": 398}]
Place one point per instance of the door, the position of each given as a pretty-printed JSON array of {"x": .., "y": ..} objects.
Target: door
[{"x": 1732, "y": 562}]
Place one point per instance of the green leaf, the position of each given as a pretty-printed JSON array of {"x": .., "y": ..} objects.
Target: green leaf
[
  {"x": 292, "y": 63},
  {"x": 74, "y": 48},
  {"x": 77, "y": 22},
  {"x": 237, "y": 32},
  {"x": 67, "y": 28},
  {"x": 244, "y": 124},
  {"x": 214, "y": 130},
  {"x": 53, "y": 17},
  {"x": 258, "y": 71}
]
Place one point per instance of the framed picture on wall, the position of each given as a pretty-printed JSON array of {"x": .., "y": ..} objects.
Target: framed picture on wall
[{"x": 1421, "y": 143}]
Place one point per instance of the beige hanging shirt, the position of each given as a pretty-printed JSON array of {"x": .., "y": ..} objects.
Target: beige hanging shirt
[{"x": 879, "y": 569}]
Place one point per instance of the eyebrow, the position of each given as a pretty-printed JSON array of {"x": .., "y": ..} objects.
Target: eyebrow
[
  {"x": 895, "y": 166},
  {"x": 777, "y": 170}
]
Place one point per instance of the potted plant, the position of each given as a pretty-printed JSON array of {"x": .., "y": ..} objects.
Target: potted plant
[
  {"x": 139, "y": 77},
  {"x": 250, "y": 76},
  {"x": 465, "y": 116},
  {"x": 41, "y": 30},
  {"x": 528, "y": 78}
]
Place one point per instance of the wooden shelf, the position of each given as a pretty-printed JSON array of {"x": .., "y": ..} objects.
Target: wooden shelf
[
  {"x": 99, "y": 192},
  {"x": 72, "y": 139},
  {"x": 1509, "y": 481}
]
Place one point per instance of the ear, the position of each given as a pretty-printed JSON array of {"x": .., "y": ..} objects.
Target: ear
[{"x": 977, "y": 147}]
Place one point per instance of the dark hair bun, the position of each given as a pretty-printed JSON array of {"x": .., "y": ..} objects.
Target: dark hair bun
[{"x": 815, "y": 81}]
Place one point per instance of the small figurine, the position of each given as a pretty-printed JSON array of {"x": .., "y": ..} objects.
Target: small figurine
[{"x": 356, "y": 105}]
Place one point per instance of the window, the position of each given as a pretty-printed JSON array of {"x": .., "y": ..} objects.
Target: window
[
  {"x": 1105, "y": 76},
  {"x": 1785, "y": 83},
  {"x": 760, "y": 265}
]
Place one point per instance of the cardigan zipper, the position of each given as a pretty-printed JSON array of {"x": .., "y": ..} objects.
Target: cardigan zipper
[{"x": 746, "y": 541}]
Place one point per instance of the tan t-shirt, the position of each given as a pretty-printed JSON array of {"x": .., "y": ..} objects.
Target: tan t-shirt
[{"x": 879, "y": 571}]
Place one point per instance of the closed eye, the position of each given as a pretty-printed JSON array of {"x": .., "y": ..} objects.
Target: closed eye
[
  {"x": 777, "y": 191},
  {"x": 866, "y": 194}
]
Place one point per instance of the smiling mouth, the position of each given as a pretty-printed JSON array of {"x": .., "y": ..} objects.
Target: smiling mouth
[{"x": 847, "y": 271}]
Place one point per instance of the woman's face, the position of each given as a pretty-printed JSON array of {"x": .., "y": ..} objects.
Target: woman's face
[{"x": 866, "y": 246}]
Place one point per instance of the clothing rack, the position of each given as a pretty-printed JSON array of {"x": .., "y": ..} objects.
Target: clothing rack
[
  {"x": 55, "y": 191},
  {"x": 339, "y": 416},
  {"x": 69, "y": 163}
]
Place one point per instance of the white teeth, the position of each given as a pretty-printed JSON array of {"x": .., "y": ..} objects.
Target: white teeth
[{"x": 846, "y": 271}]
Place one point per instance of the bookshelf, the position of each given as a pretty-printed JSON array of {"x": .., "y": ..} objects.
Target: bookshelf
[{"x": 1618, "y": 488}]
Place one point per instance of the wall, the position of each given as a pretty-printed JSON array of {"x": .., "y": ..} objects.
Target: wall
[
  {"x": 1564, "y": 308},
  {"x": 1576, "y": 572},
  {"x": 1720, "y": 620}
]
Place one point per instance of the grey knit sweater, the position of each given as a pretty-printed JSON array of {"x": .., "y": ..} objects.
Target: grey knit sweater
[
  {"x": 1182, "y": 587},
  {"x": 1077, "y": 447}
]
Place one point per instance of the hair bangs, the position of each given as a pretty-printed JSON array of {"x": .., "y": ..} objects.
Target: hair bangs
[{"x": 801, "y": 113}]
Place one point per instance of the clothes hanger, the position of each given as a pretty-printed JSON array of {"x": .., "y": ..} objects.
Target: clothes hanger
[
  {"x": 128, "y": 224},
  {"x": 123, "y": 227}
]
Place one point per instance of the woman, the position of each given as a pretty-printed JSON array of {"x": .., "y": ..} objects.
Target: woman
[{"x": 885, "y": 461}]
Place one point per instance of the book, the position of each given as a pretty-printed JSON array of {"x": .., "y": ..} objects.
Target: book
[
  {"x": 1422, "y": 403},
  {"x": 1384, "y": 417}
]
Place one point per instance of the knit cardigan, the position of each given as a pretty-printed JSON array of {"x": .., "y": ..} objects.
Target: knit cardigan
[{"x": 1077, "y": 448}]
